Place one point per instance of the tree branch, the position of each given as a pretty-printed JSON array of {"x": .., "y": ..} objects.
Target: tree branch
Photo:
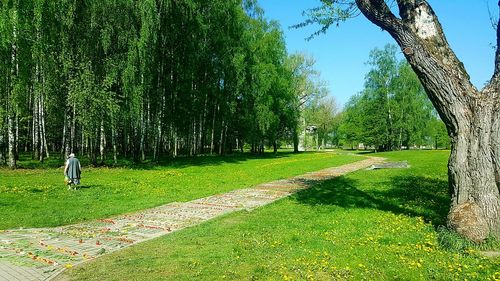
[
  {"x": 379, "y": 13},
  {"x": 405, "y": 8}
]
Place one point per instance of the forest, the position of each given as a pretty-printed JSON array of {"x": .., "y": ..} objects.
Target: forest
[
  {"x": 144, "y": 78},
  {"x": 161, "y": 78}
]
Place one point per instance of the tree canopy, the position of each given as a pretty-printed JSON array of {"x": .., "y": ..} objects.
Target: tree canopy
[
  {"x": 393, "y": 111},
  {"x": 142, "y": 78}
]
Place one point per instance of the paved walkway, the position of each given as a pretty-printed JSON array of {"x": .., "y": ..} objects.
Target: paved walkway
[{"x": 43, "y": 253}]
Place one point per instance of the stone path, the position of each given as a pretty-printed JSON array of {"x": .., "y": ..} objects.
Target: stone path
[{"x": 43, "y": 253}]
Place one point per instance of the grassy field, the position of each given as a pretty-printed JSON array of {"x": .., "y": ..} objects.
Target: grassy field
[
  {"x": 368, "y": 225},
  {"x": 35, "y": 195}
]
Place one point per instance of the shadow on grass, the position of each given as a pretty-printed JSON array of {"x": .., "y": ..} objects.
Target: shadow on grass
[
  {"x": 212, "y": 160},
  {"x": 88, "y": 186},
  {"x": 26, "y": 162},
  {"x": 409, "y": 195}
]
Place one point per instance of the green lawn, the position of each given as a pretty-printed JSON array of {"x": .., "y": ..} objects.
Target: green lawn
[
  {"x": 368, "y": 225},
  {"x": 38, "y": 197}
]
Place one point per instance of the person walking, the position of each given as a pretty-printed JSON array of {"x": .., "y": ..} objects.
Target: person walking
[{"x": 72, "y": 171}]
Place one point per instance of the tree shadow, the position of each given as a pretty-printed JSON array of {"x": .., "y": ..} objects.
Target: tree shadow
[
  {"x": 409, "y": 195},
  {"x": 183, "y": 161},
  {"x": 207, "y": 160}
]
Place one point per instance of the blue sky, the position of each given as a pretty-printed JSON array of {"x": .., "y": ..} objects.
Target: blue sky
[{"x": 342, "y": 52}]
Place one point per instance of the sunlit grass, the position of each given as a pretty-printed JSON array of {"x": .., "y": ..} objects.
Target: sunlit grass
[
  {"x": 369, "y": 225},
  {"x": 38, "y": 197}
]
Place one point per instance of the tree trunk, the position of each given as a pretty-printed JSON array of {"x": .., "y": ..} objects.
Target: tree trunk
[
  {"x": 10, "y": 100},
  {"x": 295, "y": 140},
  {"x": 471, "y": 116},
  {"x": 11, "y": 150},
  {"x": 158, "y": 137},
  {"x": 200, "y": 134},
  {"x": 3, "y": 159},
  {"x": 40, "y": 131},
  {"x": 175, "y": 142},
  {"x": 192, "y": 150},
  {"x": 390, "y": 135},
  {"x": 495, "y": 142},
  {"x": 16, "y": 137},
  {"x": 36, "y": 129},
  {"x": 67, "y": 134},
  {"x": 113, "y": 140},
  {"x": 203, "y": 120},
  {"x": 221, "y": 140},
  {"x": 475, "y": 207},
  {"x": 213, "y": 129},
  {"x": 64, "y": 137},
  {"x": 72, "y": 140},
  {"x": 102, "y": 143},
  {"x": 43, "y": 136},
  {"x": 142, "y": 137}
]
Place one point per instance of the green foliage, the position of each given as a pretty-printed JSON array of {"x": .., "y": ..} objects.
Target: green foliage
[
  {"x": 330, "y": 13},
  {"x": 393, "y": 110},
  {"x": 306, "y": 89},
  {"x": 144, "y": 78},
  {"x": 322, "y": 113}
]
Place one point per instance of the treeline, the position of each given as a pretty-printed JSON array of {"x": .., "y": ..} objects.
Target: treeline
[
  {"x": 393, "y": 111},
  {"x": 144, "y": 78}
]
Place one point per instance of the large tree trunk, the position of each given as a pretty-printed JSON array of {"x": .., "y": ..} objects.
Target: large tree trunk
[
  {"x": 471, "y": 116},
  {"x": 475, "y": 207},
  {"x": 495, "y": 142}
]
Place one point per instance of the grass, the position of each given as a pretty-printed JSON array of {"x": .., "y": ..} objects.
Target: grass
[
  {"x": 35, "y": 195},
  {"x": 368, "y": 225}
]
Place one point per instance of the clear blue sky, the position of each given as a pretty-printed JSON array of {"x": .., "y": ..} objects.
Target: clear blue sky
[{"x": 342, "y": 52}]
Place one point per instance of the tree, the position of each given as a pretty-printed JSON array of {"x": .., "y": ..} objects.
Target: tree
[
  {"x": 306, "y": 87},
  {"x": 472, "y": 116},
  {"x": 393, "y": 110},
  {"x": 322, "y": 112},
  {"x": 439, "y": 137},
  {"x": 414, "y": 111},
  {"x": 351, "y": 129},
  {"x": 379, "y": 95}
]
